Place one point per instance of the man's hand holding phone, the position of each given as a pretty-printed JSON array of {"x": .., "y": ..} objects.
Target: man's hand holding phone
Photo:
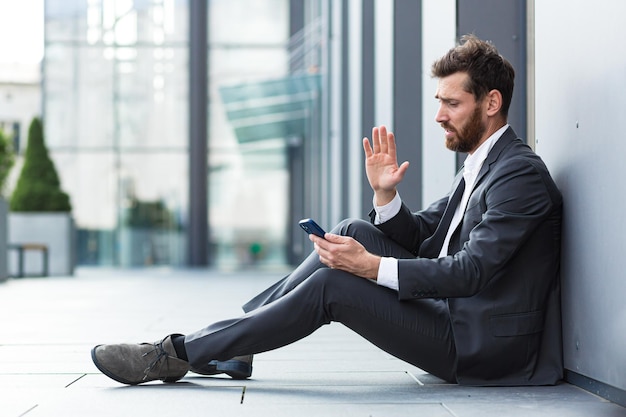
[{"x": 341, "y": 252}]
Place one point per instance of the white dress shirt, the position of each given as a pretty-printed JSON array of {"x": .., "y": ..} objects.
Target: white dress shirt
[{"x": 388, "y": 268}]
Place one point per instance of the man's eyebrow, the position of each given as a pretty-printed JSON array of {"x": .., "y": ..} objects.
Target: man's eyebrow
[{"x": 445, "y": 99}]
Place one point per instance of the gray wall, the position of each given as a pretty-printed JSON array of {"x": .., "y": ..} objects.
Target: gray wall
[
  {"x": 503, "y": 23},
  {"x": 580, "y": 104},
  {"x": 407, "y": 94}
]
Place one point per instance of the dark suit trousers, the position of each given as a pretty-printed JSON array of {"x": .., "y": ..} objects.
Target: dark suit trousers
[{"x": 416, "y": 331}]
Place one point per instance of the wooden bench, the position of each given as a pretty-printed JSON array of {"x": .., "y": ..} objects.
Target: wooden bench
[{"x": 21, "y": 248}]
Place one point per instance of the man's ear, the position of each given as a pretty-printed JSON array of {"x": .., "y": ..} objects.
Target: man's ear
[{"x": 494, "y": 102}]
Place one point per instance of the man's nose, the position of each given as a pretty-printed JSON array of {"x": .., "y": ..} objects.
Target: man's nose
[{"x": 441, "y": 115}]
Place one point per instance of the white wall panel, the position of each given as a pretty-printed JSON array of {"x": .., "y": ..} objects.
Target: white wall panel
[
  {"x": 439, "y": 34},
  {"x": 580, "y": 105},
  {"x": 383, "y": 15},
  {"x": 355, "y": 154}
]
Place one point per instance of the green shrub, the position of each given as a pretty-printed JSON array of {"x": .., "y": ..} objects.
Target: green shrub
[
  {"x": 7, "y": 158},
  {"x": 149, "y": 214},
  {"x": 38, "y": 187}
]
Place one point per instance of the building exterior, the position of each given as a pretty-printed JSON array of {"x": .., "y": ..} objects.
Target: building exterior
[
  {"x": 171, "y": 165},
  {"x": 116, "y": 105},
  {"x": 20, "y": 99}
]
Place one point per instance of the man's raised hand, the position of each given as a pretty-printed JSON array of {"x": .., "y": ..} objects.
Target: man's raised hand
[{"x": 381, "y": 164}]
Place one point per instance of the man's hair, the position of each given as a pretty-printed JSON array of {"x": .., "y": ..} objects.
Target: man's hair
[{"x": 486, "y": 68}]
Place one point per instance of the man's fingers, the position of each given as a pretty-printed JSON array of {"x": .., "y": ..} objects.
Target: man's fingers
[
  {"x": 367, "y": 147},
  {"x": 333, "y": 238},
  {"x": 384, "y": 140},
  {"x": 375, "y": 139},
  {"x": 402, "y": 169},
  {"x": 387, "y": 142},
  {"x": 391, "y": 144}
]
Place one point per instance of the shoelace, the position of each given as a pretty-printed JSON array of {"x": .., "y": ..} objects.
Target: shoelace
[{"x": 161, "y": 353}]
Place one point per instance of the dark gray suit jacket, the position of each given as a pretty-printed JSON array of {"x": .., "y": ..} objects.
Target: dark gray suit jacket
[{"x": 501, "y": 280}]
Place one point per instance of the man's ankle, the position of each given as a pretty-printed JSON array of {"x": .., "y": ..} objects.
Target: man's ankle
[{"x": 179, "y": 346}]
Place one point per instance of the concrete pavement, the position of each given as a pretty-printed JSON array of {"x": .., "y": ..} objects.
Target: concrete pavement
[{"x": 48, "y": 326}]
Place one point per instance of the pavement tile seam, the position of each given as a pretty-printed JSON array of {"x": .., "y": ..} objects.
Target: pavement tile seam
[
  {"x": 76, "y": 380},
  {"x": 28, "y": 410}
]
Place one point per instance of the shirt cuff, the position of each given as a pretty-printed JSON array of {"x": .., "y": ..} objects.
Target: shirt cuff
[
  {"x": 388, "y": 211},
  {"x": 388, "y": 273}
]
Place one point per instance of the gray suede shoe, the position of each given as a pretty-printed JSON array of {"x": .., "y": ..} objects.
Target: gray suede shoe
[
  {"x": 134, "y": 364},
  {"x": 239, "y": 367}
]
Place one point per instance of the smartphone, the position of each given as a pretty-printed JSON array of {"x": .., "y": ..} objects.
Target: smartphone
[{"x": 311, "y": 227}]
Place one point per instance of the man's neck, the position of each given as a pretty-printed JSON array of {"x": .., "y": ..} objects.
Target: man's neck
[
  {"x": 487, "y": 144},
  {"x": 491, "y": 129}
]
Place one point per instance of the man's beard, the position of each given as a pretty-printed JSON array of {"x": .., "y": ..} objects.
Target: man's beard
[{"x": 470, "y": 134}]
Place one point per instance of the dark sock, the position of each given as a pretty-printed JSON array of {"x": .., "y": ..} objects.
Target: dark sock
[{"x": 179, "y": 346}]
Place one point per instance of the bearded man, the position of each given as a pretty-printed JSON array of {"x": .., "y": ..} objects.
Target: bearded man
[{"x": 467, "y": 289}]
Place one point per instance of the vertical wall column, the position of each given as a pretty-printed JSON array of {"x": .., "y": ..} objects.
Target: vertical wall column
[
  {"x": 438, "y": 36},
  {"x": 384, "y": 62},
  {"x": 336, "y": 82},
  {"x": 197, "y": 227},
  {"x": 368, "y": 94},
  {"x": 503, "y": 23},
  {"x": 322, "y": 163},
  {"x": 407, "y": 95},
  {"x": 390, "y": 80},
  {"x": 295, "y": 163},
  {"x": 352, "y": 133}
]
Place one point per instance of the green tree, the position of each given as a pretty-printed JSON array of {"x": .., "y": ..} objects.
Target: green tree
[
  {"x": 38, "y": 187},
  {"x": 7, "y": 158}
]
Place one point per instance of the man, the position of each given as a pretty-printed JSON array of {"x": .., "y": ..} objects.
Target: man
[{"x": 467, "y": 289}]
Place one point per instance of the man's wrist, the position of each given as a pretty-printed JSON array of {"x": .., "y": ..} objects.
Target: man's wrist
[
  {"x": 373, "y": 270},
  {"x": 389, "y": 210},
  {"x": 384, "y": 197}
]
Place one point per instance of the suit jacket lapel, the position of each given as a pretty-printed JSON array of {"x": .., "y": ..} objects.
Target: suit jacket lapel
[
  {"x": 430, "y": 247},
  {"x": 507, "y": 137}
]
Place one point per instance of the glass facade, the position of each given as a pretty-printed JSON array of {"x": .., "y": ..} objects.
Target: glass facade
[
  {"x": 116, "y": 122},
  {"x": 247, "y": 179},
  {"x": 115, "y": 87}
]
